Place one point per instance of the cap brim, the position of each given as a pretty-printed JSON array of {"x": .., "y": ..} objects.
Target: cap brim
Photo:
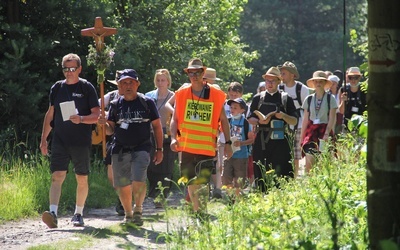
[
  {"x": 113, "y": 82},
  {"x": 128, "y": 77}
]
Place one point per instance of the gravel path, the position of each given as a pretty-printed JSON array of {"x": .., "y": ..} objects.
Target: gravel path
[{"x": 33, "y": 232}]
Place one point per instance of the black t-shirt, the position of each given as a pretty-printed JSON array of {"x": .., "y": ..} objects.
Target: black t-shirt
[
  {"x": 133, "y": 122},
  {"x": 85, "y": 97}
]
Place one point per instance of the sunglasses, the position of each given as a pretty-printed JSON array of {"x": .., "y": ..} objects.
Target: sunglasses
[
  {"x": 195, "y": 73},
  {"x": 67, "y": 69},
  {"x": 354, "y": 77}
]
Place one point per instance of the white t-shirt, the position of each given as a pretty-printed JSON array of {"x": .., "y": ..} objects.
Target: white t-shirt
[{"x": 305, "y": 91}]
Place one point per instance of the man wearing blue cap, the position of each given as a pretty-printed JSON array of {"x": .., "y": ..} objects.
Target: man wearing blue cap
[{"x": 131, "y": 119}]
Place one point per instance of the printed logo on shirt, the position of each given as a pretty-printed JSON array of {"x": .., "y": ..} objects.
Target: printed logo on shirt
[{"x": 78, "y": 95}]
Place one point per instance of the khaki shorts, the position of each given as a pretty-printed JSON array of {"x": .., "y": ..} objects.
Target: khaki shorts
[
  {"x": 130, "y": 166},
  {"x": 235, "y": 168}
]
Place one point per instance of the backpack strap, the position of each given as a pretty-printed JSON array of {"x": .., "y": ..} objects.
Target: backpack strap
[
  {"x": 328, "y": 99},
  {"x": 298, "y": 93}
]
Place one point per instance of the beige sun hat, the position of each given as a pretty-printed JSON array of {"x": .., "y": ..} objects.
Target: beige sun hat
[
  {"x": 274, "y": 72},
  {"x": 116, "y": 77},
  {"x": 195, "y": 63},
  {"x": 289, "y": 66},
  {"x": 319, "y": 75},
  {"x": 211, "y": 74}
]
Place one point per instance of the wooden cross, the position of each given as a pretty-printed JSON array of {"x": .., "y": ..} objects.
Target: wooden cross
[{"x": 98, "y": 32}]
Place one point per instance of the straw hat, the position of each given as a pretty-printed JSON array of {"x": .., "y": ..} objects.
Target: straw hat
[
  {"x": 319, "y": 75},
  {"x": 274, "y": 72},
  {"x": 211, "y": 74}
]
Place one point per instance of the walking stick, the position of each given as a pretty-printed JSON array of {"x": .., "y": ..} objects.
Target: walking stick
[{"x": 98, "y": 32}]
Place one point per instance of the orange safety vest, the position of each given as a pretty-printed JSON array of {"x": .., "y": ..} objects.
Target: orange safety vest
[{"x": 198, "y": 120}]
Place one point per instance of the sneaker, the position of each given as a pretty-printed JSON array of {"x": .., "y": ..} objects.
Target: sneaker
[
  {"x": 216, "y": 193},
  {"x": 119, "y": 208},
  {"x": 77, "y": 220},
  {"x": 137, "y": 219},
  {"x": 50, "y": 219}
]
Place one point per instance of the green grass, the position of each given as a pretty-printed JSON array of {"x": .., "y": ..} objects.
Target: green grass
[
  {"x": 24, "y": 188},
  {"x": 325, "y": 210}
]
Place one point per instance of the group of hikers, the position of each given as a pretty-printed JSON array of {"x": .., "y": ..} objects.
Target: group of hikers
[{"x": 215, "y": 136}]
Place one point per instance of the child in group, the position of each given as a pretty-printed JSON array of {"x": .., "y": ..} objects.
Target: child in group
[{"x": 235, "y": 169}]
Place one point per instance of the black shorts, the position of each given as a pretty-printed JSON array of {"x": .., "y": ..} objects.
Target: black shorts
[
  {"x": 62, "y": 155},
  {"x": 197, "y": 168}
]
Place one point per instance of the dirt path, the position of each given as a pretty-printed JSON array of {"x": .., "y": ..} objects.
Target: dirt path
[{"x": 33, "y": 232}]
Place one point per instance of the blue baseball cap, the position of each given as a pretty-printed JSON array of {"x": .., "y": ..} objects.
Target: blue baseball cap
[
  {"x": 127, "y": 73},
  {"x": 240, "y": 101}
]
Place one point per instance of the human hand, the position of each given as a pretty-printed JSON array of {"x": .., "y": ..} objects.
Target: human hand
[
  {"x": 174, "y": 145},
  {"x": 102, "y": 120},
  {"x": 158, "y": 157},
  {"x": 43, "y": 147}
]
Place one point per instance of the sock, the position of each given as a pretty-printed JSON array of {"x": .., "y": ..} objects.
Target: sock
[
  {"x": 53, "y": 208},
  {"x": 137, "y": 209},
  {"x": 78, "y": 210}
]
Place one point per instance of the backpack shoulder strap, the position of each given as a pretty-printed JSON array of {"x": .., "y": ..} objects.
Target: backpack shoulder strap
[
  {"x": 284, "y": 96},
  {"x": 246, "y": 128},
  {"x": 309, "y": 102},
  {"x": 281, "y": 86},
  {"x": 262, "y": 96},
  {"x": 298, "y": 93},
  {"x": 143, "y": 99}
]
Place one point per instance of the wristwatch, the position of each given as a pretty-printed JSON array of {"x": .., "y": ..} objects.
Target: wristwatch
[
  {"x": 159, "y": 149},
  {"x": 228, "y": 142}
]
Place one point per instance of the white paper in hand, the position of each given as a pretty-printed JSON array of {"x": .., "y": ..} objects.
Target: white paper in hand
[
  {"x": 67, "y": 109},
  {"x": 234, "y": 148}
]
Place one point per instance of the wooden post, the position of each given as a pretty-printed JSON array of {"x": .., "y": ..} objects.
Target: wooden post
[{"x": 98, "y": 32}]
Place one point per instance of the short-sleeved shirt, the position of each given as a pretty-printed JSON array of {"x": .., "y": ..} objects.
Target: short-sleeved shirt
[
  {"x": 133, "y": 122},
  {"x": 85, "y": 98},
  {"x": 323, "y": 113},
  {"x": 237, "y": 130},
  {"x": 160, "y": 104}
]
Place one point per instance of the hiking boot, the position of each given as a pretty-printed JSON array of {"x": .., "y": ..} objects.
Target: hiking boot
[
  {"x": 50, "y": 219},
  {"x": 77, "y": 220},
  {"x": 137, "y": 219},
  {"x": 119, "y": 208}
]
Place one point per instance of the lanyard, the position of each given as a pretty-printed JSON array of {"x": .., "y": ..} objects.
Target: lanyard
[{"x": 318, "y": 104}]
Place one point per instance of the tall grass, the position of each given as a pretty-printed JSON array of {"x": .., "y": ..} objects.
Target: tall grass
[
  {"x": 325, "y": 210},
  {"x": 25, "y": 183}
]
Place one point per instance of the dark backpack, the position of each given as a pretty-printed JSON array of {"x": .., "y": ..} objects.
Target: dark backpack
[
  {"x": 298, "y": 92},
  {"x": 284, "y": 96}
]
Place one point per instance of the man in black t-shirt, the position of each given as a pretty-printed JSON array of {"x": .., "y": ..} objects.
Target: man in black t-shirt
[{"x": 72, "y": 135}]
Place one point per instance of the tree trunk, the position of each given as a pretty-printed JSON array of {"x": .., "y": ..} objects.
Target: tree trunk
[{"x": 383, "y": 160}]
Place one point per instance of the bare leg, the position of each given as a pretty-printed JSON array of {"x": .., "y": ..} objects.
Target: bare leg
[
  {"x": 82, "y": 189},
  {"x": 125, "y": 195},
  {"x": 139, "y": 193},
  {"x": 57, "y": 179}
]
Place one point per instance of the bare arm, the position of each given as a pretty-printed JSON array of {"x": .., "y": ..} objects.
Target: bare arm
[
  {"x": 158, "y": 134},
  {"x": 227, "y": 133},
  {"x": 49, "y": 116}
]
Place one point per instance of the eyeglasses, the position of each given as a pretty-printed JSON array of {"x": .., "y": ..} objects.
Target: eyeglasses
[
  {"x": 67, "y": 69},
  {"x": 354, "y": 77},
  {"x": 195, "y": 73},
  {"x": 270, "y": 82}
]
